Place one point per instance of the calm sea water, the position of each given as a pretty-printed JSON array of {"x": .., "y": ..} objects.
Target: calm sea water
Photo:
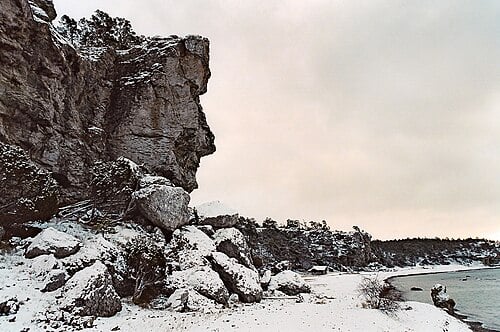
[{"x": 476, "y": 292}]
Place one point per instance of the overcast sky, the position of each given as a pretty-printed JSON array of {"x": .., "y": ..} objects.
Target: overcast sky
[{"x": 381, "y": 114}]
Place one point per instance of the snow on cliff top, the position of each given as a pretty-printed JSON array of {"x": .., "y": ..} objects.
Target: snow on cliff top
[{"x": 214, "y": 209}]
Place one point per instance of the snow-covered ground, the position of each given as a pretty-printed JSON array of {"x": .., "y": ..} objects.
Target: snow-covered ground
[{"x": 333, "y": 306}]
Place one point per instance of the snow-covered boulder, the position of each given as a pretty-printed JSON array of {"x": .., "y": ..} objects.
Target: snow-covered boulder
[
  {"x": 163, "y": 205},
  {"x": 186, "y": 299},
  {"x": 42, "y": 265},
  {"x": 441, "y": 298},
  {"x": 202, "y": 279},
  {"x": 238, "y": 278},
  {"x": 216, "y": 214},
  {"x": 52, "y": 241},
  {"x": 231, "y": 242},
  {"x": 191, "y": 247},
  {"x": 90, "y": 292},
  {"x": 191, "y": 238},
  {"x": 55, "y": 279},
  {"x": 289, "y": 282},
  {"x": 94, "y": 247}
]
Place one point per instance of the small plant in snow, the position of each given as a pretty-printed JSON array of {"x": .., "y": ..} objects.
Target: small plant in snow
[{"x": 379, "y": 295}]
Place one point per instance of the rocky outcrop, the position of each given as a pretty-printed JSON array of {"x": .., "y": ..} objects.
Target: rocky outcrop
[
  {"x": 90, "y": 292},
  {"x": 441, "y": 299},
  {"x": 52, "y": 241},
  {"x": 68, "y": 108}
]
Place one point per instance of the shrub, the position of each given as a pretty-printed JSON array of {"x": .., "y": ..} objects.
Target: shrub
[
  {"x": 147, "y": 264},
  {"x": 379, "y": 295}
]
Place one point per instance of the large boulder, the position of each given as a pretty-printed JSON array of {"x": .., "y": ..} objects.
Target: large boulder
[
  {"x": 163, "y": 205},
  {"x": 27, "y": 192},
  {"x": 441, "y": 299},
  {"x": 238, "y": 278},
  {"x": 190, "y": 247},
  {"x": 90, "y": 292},
  {"x": 203, "y": 279},
  {"x": 52, "y": 241},
  {"x": 232, "y": 242},
  {"x": 216, "y": 214},
  {"x": 289, "y": 282}
]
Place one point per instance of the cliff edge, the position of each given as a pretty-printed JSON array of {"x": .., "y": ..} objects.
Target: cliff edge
[{"x": 68, "y": 107}]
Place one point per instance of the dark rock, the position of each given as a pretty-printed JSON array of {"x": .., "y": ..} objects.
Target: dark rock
[
  {"x": 52, "y": 241},
  {"x": 441, "y": 299},
  {"x": 55, "y": 280},
  {"x": 9, "y": 307},
  {"x": 416, "y": 289}
]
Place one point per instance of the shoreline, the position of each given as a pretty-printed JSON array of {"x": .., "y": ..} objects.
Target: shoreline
[{"x": 475, "y": 326}]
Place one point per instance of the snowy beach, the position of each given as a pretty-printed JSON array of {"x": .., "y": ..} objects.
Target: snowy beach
[{"x": 333, "y": 305}]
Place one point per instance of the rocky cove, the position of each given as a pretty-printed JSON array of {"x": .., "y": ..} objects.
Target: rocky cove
[{"x": 99, "y": 148}]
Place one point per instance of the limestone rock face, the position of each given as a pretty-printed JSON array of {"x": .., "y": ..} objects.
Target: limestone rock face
[
  {"x": 68, "y": 108},
  {"x": 90, "y": 292}
]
